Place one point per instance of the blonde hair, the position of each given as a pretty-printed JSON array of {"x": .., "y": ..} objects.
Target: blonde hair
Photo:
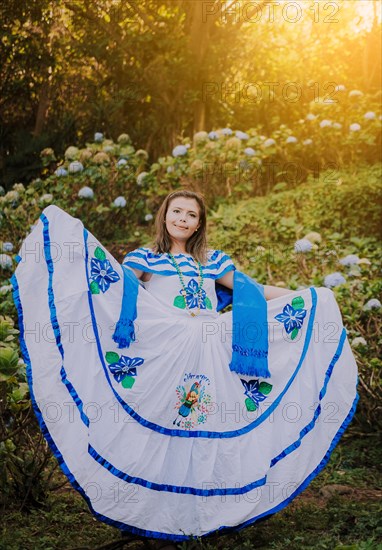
[{"x": 197, "y": 243}]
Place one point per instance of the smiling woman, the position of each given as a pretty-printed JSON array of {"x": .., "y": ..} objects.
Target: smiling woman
[{"x": 182, "y": 221}]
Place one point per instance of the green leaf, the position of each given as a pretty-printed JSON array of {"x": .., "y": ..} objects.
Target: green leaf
[
  {"x": 112, "y": 357},
  {"x": 179, "y": 302},
  {"x": 9, "y": 359},
  {"x": 298, "y": 302},
  {"x": 294, "y": 333},
  {"x": 99, "y": 253},
  {"x": 128, "y": 382},
  {"x": 265, "y": 388},
  {"x": 251, "y": 406},
  {"x": 208, "y": 303},
  {"x": 94, "y": 288}
]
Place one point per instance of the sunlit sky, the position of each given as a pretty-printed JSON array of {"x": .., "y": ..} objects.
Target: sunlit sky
[{"x": 365, "y": 8}]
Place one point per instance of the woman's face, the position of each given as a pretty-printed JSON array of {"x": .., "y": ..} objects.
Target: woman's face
[{"x": 182, "y": 218}]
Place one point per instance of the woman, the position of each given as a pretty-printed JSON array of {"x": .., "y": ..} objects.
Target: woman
[{"x": 171, "y": 418}]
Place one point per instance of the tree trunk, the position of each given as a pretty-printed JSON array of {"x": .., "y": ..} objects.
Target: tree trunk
[{"x": 42, "y": 109}]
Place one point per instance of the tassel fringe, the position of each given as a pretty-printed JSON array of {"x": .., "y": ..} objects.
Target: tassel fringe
[{"x": 124, "y": 333}]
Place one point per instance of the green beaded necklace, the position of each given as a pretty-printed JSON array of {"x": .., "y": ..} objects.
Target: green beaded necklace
[{"x": 184, "y": 290}]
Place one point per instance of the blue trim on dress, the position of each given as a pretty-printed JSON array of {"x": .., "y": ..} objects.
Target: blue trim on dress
[
  {"x": 53, "y": 447},
  {"x": 54, "y": 320},
  {"x": 132, "y": 260},
  {"x": 238, "y": 490},
  {"x": 173, "y": 488},
  {"x": 49, "y": 265},
  {"x": 196, "y": 433},
  {"x": 317, "y": 411},
  {"x": 76, "y": 398},
  {"x": 126, "y": 527},
  {"x": 304, "y": 484}
]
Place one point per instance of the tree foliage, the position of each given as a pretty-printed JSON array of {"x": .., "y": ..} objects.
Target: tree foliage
[{"x": 162, "y": 68}]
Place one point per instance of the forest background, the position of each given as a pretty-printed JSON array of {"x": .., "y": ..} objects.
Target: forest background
[{"x": 271, "y": 109}]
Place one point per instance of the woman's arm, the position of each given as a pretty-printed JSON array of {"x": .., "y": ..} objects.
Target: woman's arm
[
  {"x": 270, "y": 292},
  {"x": 137, "y": 272}
]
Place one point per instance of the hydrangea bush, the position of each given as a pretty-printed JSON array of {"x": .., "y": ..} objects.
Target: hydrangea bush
[{"x": 323, "y": 232}]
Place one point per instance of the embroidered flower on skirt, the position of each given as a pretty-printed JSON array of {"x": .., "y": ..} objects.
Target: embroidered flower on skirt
[
  {"x": 103, "y": 274},
  {"x": 124, "y": 367},
  {"x": 293, "y": 316},
  {"x": 256, "y": 392}
]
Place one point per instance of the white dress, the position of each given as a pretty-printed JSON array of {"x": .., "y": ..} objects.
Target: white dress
[{"x": 161, "y": 438}]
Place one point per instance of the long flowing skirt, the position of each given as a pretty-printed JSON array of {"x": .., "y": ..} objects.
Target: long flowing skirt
[{"x": 162, "y": 438}]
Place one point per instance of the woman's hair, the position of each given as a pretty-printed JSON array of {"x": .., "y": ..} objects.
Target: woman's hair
[{"x": 197, "y": 243}]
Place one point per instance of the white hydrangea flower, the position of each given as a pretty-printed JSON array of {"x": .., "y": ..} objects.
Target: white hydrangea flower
[
  {"x": 47, "y": 198},
  {"x": 241, "y": 135},
  {"x": 141, "y": 177},
  {"x": 148, "y": 217},
  {"x": 200, "y": 138},
  {"x": 4, "y": 289},
  {"x": 142, "y": 154},
  {"x": 350, "y": 259},
  {"x": 169, "y": 169},
  {"x": 325, "y": 123},
  {"x": 109, "y": 149},
  {"x": 291, "y": 139},
  {"x": 179, "y": 151},
  {"x": 98, "y": 137},
  {"x": 355, "y": 127},
  {"x": 75, "y": 167},
  {"x": 269, "y": 142},
  {"x": 19, "y": 187},
  {"x": 227, "y": 132},
  {"x": 310, "y": 116},
  {"x": 313, "y": 237},
  {"x": 61, "y": 171},
  {"x": 121, "y": 162},
  {"x": 120, "y": 202},
  {"x": 355, "y": 93},
  {"x": 359, "y": 341},
  {"x": 364, "y": 261},
  {"x": 307, "y": 141},
  {"x": 123, "y": 139},
  {"x": 337, "y": 125},
  {"x": 5, "y": 261},
  {"x": 334, "y": 279},
  {"x": 249, "y": 151},
  {"x": 370, "y": 115},
  {"x": 12, "y": 196},
  {"x": 213, "y": 136},
  {"x": 372, "y": 304},
  {"x": 86, "y": 193},
  {"x": 7, "y": 247},
  {"x": 71, "y": 153},
  {"x": 340, "y": 88},
  {"x": 303, "y": 245}
]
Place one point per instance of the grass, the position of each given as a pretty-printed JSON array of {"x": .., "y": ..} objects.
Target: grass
[{"x": 346, "y": 516}]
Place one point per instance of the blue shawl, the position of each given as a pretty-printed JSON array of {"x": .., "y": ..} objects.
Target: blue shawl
[{"x": 249, "y": 319}]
